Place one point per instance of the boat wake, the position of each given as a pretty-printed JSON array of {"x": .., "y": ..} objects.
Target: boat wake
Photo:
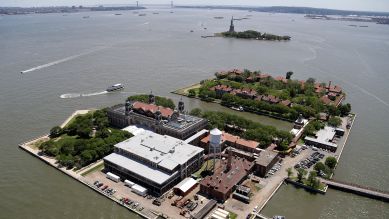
[
  {"x": 75, "y": 95},
  {"x": 60, "y": 61}
]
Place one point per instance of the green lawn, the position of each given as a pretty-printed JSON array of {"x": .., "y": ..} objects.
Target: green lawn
[
  {"x": 96, "y": 168},
  {"x": 233, "y": 215}
]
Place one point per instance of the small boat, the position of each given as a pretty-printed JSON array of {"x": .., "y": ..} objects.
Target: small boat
[
  {"x": 219, "y": 17},
  {"x": 142, "y": 14},
  {"x": 118, "y": 14},
  {"x": 85, "y": 17},
  {"x": 240, "y": 108},
  {"x": 155, "y": 13},
  {"x": 191, "y": 31},
  {"x": 115, "y": 87}
]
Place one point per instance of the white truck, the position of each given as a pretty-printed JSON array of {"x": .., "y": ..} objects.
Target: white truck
[{"x": 113, "y": 177}]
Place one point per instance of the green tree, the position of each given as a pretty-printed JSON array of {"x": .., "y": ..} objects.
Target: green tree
[
  {"x": 289, "y": 171},
  {"x": 331, "y": 162},
  {"x": 289, "y": 74},
  {"x": 195, "y": 112},
  {"x": 334, "y": 121},
  {"x": 319, "y": 166},
  {"x": 103, "y": 133},
  {"x": 56, "y": 131},
  {"x": 312, "y": 178},
  {"x": 311, "y": 81},
  {"x": 301, "y": 174},
  {"x": 345, "y": 109},
  {"x": 192, "y": 93}
]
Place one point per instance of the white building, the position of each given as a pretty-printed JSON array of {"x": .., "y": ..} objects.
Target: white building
[{"x": 157, "y": 162}]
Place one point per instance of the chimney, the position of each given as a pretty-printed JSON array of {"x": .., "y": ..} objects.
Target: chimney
[{"x": 229, "y": 162}]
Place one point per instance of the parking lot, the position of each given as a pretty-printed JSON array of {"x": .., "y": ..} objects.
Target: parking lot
[{"x": 148, "y": 205}]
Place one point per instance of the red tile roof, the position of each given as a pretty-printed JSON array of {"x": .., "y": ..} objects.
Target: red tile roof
[
  {"x": 325, "y": 99},
  {"x": 262, "y": 76},
  {"x": 286, "y": 102},
  {"x": 166, "y": 112},
  {"x": 335, "y": 89},
  {"x": 221, "y": 87},
  {"x": 232, "y": 139}
]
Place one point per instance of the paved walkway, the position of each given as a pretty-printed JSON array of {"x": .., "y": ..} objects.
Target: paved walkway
[{"x": 370, "y": 192}]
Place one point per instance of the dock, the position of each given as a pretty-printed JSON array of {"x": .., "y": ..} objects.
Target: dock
[{"x": 358, "y": 189}]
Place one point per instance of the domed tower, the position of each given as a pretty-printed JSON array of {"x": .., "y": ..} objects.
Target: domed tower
[
  {"x": 128, "y": 107},
  {"x": 181, "y": 106},
  {"x": 151, "y": 98}
]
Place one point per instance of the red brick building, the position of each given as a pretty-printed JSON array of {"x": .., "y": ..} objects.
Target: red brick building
[{"x": 227, "y": 176}]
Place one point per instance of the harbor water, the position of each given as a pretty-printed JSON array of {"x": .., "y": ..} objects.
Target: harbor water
[{"x": 77, "y": 59}]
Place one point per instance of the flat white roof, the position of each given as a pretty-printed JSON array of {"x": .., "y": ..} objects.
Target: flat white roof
[
  {"x": 324, "y": 136},
  {"x": 140, "y": 169},
  {"x": 198, "y": 134},
  {"x": 186, "y": 184},
  {"x": 163, "y": 150}
]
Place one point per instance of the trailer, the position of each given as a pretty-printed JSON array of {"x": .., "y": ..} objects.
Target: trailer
[
  {"x": 139, "y": 190},
  {"x": 113, "y": 177},
  {"x": 128, "y": 183}
]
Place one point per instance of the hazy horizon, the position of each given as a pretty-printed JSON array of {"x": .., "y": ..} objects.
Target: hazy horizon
[{"x": 353, "y": 5}]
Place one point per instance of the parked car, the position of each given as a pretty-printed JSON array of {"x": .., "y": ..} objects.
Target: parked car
[
  {"x": 194, "y": 206},
  {"x": 156, "y": 202}
]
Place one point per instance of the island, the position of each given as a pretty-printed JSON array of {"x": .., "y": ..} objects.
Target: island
[
  {"x": 160, "y": 159},
  {"x": 250, "y": 34}
]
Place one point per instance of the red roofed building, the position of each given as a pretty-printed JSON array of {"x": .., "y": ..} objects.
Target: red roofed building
[
  {"x": 281, "y": 78},
  {"x": 162, "y": 120},
  {"x": 334, "y": 89},
  {"x": 233, "y": 141},
  {"x": 246, "y": 93},
  {"x": 228, "y": 174},
  {"x": 286, "y": 103},
  {"x": 325, "y": 100},
  {"x": 263, "y": 76},
  {"x": 151, "y": 109},
  {"x": 221, "y": 89}
]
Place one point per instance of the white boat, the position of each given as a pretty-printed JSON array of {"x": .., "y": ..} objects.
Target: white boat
[
  {"x": 240, "y": 108},
  {"x": 115, "y": 87}
]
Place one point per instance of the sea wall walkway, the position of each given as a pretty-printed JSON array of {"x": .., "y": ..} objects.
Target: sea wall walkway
[{"x": 358, "y": 189}]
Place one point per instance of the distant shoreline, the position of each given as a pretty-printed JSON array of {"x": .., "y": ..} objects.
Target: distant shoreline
[
  {"x": 293, "y": 10},
  {"x": 61, "y": 9}
]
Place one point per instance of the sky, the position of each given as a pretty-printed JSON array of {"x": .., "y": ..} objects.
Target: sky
[{"x": 360, "y": 5}]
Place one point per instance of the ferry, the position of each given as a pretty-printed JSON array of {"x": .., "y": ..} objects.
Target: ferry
[
  {"x": 240, "y": 108},
  {"x": 115, "y": 87}
]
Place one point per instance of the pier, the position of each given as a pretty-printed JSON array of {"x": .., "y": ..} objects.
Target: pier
[{"x": 358, "y": 189}]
